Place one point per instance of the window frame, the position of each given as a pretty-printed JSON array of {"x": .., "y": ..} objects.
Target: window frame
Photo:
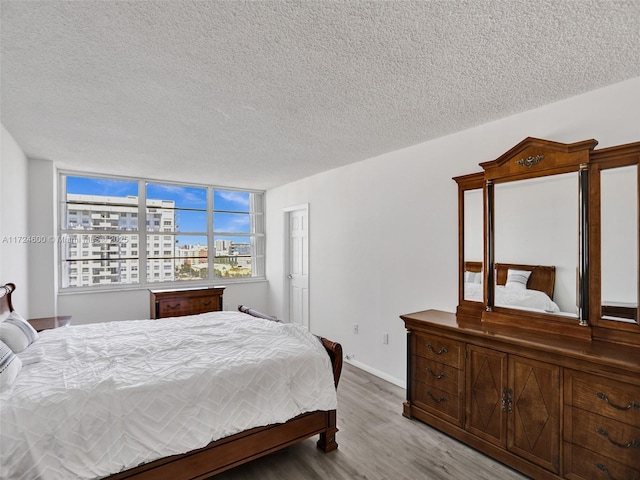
[{"x": 145, "y": 252}]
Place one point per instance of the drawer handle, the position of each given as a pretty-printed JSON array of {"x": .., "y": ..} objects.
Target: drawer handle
[
  {"x": 437, "y": 400},
  {"x": 205, "y": 303},
  {"x": 603, "y": 468},
  {"x": 172, "y": 306},
  {"x": 633, "y": 404},
  {"x": 631, "y": 444},
  {"x": 507, "y": 400},
  {"x": 438, "y": 377},
  {"x": 440, "y": 352}
]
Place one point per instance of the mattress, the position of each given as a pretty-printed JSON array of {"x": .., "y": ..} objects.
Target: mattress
[
  {"x": 514, "y": 297},
  {"x": 93, "y": 400}
]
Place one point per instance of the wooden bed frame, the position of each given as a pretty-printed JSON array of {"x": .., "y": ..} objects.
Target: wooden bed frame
[
  {"x": 543, "y": 278},
  {"x": 236, "y": 449}
]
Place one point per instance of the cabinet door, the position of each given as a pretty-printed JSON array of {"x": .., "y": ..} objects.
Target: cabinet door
[
  {"x": 486, "y": 388},
  {"x": 534, "y": 423}
]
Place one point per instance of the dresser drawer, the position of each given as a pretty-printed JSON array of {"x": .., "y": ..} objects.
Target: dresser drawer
[
  {"x": 583, "y": 464},
  {"x": 173, "y": 307},
  {"x": 204, "y": 304},
  {"x": 176, "y": 303},
  {"x": 188, "y": 306},
  {"x": 437, "y": 374},
  {"x": 444, "y": 403},
  {"x": 609, "y": 398},
  {"x": 610, "y": 438},
  {"x": 440, "y": 349}
]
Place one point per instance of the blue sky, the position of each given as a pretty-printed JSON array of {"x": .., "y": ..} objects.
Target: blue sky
[{"x": 184, "y": 197}]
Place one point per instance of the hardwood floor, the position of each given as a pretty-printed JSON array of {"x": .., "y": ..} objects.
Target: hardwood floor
[{"x": 377, "y": 443}]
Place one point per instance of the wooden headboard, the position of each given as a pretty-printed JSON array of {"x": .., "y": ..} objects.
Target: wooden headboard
[
  {"x": 6, "y": 306},
  {"x": 473, "y": 267},
  {"x": 543, "y": 278}
]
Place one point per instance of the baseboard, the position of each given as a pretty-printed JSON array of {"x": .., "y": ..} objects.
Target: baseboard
[{"x": 377, "y": 373}]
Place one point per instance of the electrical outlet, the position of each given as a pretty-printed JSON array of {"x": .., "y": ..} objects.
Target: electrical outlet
[
  {"x": 350, "y": 356},
  {"x": 385, "y": 338},
  {"x": 355, "y": 328}
]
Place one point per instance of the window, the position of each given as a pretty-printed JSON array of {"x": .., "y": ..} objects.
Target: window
[
  {"x": 237, "y": 234},
  {"x": 191, "y": 233},
  {"x": 183, "y": 212}
]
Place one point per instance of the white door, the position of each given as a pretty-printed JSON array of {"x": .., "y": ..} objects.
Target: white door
[{"x": 297, "y": 265}]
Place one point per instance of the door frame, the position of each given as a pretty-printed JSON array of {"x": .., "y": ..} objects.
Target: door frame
[{"x": 286, "y": 297}]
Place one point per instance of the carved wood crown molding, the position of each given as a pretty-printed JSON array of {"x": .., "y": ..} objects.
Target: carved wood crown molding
[{"x": 530, "y": 161}]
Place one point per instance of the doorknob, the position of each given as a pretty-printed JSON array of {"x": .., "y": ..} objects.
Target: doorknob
[{"x": 289, "y": 276}]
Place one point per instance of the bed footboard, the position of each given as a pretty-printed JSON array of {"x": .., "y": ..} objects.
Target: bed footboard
[
  {"x": 333, "y": 349},
  {"x": 243, "y": 447},
  {"x": 335, "y": 354}
]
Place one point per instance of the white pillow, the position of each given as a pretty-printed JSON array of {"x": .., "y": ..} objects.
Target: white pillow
[
  {"x": 517, "y": 279},
  {"x": 16, "y": 332},
  {"x": 10, "y": 365},
  {"x": 472, "y": 277}
]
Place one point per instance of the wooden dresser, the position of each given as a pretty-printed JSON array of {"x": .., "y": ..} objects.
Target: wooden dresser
[
  {"x": 188, "y": 301},
  {"x": 539, "y": 367},
  {"x": 547, "y": 407}
]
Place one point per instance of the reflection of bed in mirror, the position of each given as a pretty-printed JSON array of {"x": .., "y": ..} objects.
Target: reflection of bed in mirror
[
  {"x": 536, "y": 294},
  {"x": 619, "y": 310}
]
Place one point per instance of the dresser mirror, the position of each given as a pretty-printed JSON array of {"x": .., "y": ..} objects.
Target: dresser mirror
[
  {"x": 536, "y": 242},
  {"x": 560, "y": 219},
  {"x": 473, "y": 245},
  {"x": 535, "y": 226},
  {"x": 470, "y": 245},
  {"x": 619, "y": 243}
]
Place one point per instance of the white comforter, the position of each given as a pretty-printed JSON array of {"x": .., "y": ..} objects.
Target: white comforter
[
  {"x": 106, "y": 397},
  {"x": 513, "y": 297}
]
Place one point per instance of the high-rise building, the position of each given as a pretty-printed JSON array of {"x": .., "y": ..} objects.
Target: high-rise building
[{"x": 107, "y": 251}]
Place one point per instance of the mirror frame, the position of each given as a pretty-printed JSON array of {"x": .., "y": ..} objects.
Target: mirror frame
[
  {"x": 536, "y": 158},
  {"x": 525, "y": 161},
  {"x": 604, "y": 159},
  {"x": 467, "y": 309}
]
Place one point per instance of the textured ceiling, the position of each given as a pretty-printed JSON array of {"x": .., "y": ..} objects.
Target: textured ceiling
[{"x": 260, "y": 93}]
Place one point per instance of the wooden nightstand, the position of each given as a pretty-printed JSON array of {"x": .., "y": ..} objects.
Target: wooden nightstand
[{"x": 47, "y": 323}]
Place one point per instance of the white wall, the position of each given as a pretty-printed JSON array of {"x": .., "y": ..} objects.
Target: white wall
[
  {"x": 43, "y": 256},
  {"x": 134, "y": 304},
  {"x": 383, "y": 232},
  {"x": 14, "y": 258},
  {"x": 28, "y": 206}
]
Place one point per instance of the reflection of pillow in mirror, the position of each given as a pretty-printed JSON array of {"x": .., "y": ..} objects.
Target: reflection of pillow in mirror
[
  {"x": 517, "y": 279},
  {"x": 472, "y": 277}
]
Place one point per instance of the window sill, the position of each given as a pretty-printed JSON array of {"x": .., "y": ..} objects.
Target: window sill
[{"x": 159, "y": 286}]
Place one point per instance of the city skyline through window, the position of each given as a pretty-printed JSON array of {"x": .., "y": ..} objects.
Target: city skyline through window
[{"x": 103, "y": 244}]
